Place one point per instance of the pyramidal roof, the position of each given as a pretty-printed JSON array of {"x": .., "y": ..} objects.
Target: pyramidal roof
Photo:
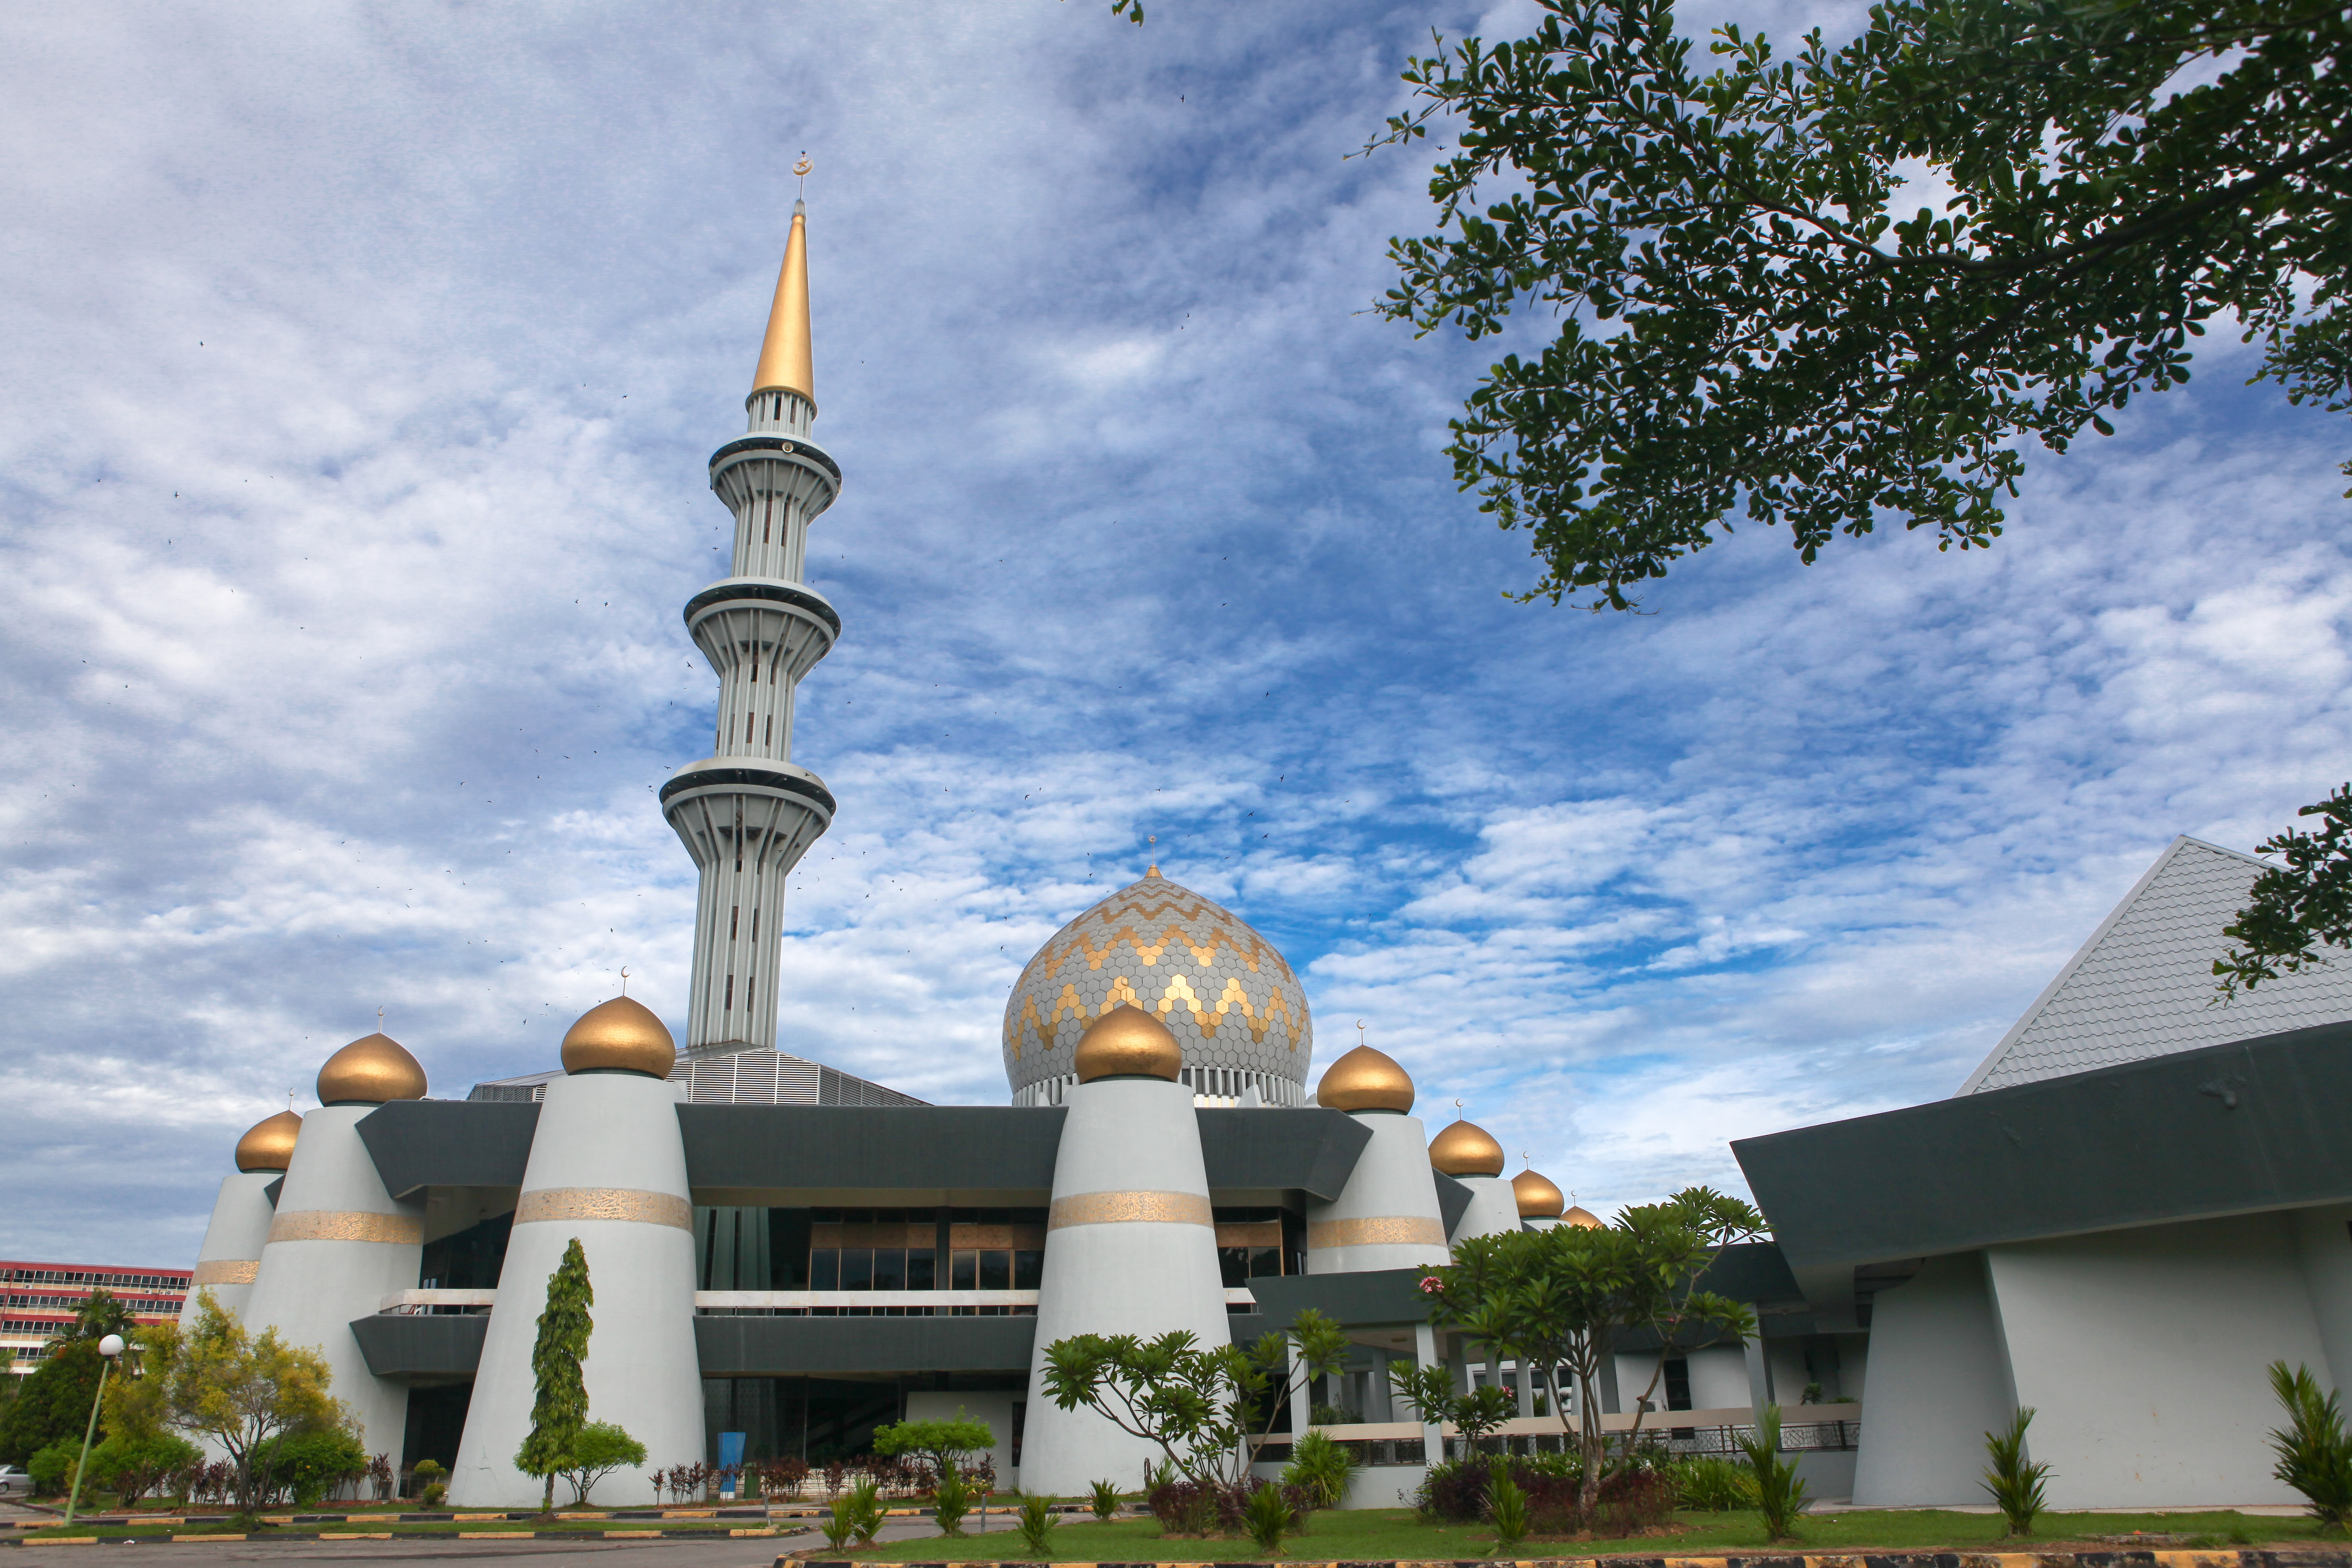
[{"x": 2142, "y": 985}]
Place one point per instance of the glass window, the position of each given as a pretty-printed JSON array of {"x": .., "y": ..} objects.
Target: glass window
[
  {"x": 965, "y": 1270},
  {"x": 1232, "y": 1262},
  {"x": 889, "y": 1268},
  {"x": 1264, "y": 1260},
  {"x": 996, "y": 1271},
  {"x": 921, "y": 1274},
  {"x": 824, "y": 1268},
  {"x": 858, "y": 1268},
  {"x": 1028, "y": 1269}
]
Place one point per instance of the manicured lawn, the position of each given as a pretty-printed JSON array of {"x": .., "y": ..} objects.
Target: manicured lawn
[{"x": 1377, "y": 1534}]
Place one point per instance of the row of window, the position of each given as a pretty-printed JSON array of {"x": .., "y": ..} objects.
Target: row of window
[
  {"x": 94, "y": 1277},
  {"x": 72, "y": 1303},
  {"x": 916, "y": 1269},
  {"x": 930, "y": 1216}
]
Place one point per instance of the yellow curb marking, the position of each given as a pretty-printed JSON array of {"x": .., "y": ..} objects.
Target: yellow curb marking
[
  {"x": 494, "y": 1535},
  {"x": 476, "y": 1518}
]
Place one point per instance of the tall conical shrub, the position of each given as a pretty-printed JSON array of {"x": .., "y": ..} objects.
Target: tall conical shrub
[{"x": 560, "y": 1408}]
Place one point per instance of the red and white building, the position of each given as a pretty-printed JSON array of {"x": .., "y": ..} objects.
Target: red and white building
[{"x": 40, "y": 1299}]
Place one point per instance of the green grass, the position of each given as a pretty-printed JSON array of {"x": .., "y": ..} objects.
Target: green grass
[{"x": 1378, "y": 1534}]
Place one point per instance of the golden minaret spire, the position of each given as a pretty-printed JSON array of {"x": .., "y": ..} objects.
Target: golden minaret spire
[{"x": 784, "y": 361}]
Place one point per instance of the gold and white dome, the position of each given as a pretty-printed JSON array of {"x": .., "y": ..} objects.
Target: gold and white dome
[{"x": 1234, "y": 1006}]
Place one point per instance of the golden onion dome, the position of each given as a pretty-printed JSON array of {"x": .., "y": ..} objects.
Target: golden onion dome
[
  {"x": 370, "y": 1071},
  {"x": 1128, "y": 1042},
  {"x": 619, "y": 1036},
  {"x": 1365, "y": 1080},
  {"x": 269, "y": 1144},
  {"x": 1466, "y": 1149},
  {"x": 1581, "y": 1217},
  {"x": 1538, "y": 1199}
]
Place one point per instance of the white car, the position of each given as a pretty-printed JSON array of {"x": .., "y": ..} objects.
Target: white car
[{"x": 13, "y": 1480}]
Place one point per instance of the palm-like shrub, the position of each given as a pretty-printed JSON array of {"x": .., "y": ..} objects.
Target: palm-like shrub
[
  {"x": 2016, "y": 1485},
  {"x": 2315, "y": 1450},
  {"x": 951, "y": 1500},
  {"x": 1506, "y": 1505},
  {"x": 1106, "y": 1499},
  {"x": 1036, "y": 1522},
  {"x": 1714, "y": 1484},
  {"x": 1780, "y": 1495},
  {"x": 1266, "y": 1516},
  {"x": 1320, "y": 1466}
]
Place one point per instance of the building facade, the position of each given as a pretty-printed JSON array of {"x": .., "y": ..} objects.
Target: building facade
[{"x": 40, "y": 1299}]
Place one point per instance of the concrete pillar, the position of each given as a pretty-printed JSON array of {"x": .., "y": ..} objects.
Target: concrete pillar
[
  {"x": 1494, "y": 1208},
  {"x": 1387, "y": 1216},
  {"x": 608, "y": 1166},
  {"x": 1130, "y": 1248},
  {"x": 338, "y": 1245},
  {"x": 1759, "y": 1372},
  {"x": 230, "y": 1259},
  {"x": 1424, "y": 1353}
]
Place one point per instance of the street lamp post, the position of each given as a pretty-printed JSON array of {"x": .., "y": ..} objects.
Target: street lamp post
[{"x": 110, "y": 1347}]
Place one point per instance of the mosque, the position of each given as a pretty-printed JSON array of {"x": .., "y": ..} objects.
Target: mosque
[
  {"x": 2136, "y": 1203},
  {"x": 783, "y": 1251}
]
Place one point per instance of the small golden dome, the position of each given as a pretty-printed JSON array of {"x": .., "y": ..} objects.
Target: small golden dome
[
  {"x": 1365, "y": 1080},
  {"x": 1128, "y": 1042},
  {"x": 370, "y": 1071},
  {"x": 1466, "y": 1149},
  {"x": 619, "y": 1036},
  {"x": 1538, "y": 1199},
  {"x": 269, "y": 1144},
  {"x": 1581, "y": 1217}
]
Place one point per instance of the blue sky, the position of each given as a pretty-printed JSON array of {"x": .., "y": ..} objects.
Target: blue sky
[{"x": 359, "y": 383}]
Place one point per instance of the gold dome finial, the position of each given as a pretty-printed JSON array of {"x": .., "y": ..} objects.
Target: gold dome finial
[
  {"x": 268, "y": 1143},
  {"x": 370, "y": 1071},
  {"x": 1128, "y": 1042},
  {"x": 785, "y": 362},
  {"x": 1365, "y": 1080},
  {"x": 619, "y": 1036},
  {"x": 1538, "y": 1199},
  {"x": 1466, "y": 1149}
]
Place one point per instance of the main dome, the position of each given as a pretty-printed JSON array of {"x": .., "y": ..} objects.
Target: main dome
[{"x": 1227, "y": 995}]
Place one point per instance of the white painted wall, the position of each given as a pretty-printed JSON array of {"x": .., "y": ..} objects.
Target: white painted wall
[
  {"x": 2143, "y": 1352},
  {"x": 993, "y": 1406},
  {"x": 2323, "y": 1238},
  {"x": 1494, "y": 1208},
  {"x": 1939, "y": 1380},
  {"x": 595, "y": 1131}
]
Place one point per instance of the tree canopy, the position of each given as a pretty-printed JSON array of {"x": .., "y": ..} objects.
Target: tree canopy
[
  {"x": 1748, "y": 321},
  {"x": 948, "y": 1444},
  {"x": 242, "y": 1391},
  {"x": 558, "y": 1408},
  {"x": 2295, "y": 909}
]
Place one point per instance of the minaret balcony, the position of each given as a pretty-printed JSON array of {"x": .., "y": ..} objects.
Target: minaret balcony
[{"x": 787, "y": 627}]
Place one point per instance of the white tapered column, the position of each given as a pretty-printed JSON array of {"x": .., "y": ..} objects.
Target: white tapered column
[
  {"x": 1130, "y": 1242},
  {"x": 230, "y": 1259},
  {"x": 338, "y": 1244},
  {"x": 1387, "y": 1216},
  {"x": 1494, "y": 1208},
  {"x": 607, "y": 1166}
]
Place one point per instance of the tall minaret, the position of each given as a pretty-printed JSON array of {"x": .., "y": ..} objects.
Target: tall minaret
[{"x": 746, "y": 813}]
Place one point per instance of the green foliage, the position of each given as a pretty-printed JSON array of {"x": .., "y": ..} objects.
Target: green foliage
[
  {"x": 52, "y": 1403},
  {"x": 242, "y": 1391},
  {"x": 1105, "y": 1500},
  {"x": 1266, "y": 1516},
  {"x": 949, "y": 1445},
  {"x": 1506, "y": 1505},
  {"x": 100, "y": 1314},
  {"x": 841, "y": 1521},
  {"x": 1553, "y": 1300},
  {"x": 309, "y": 1463},
  {"x": 1195, "y": 1404},
  {"x": 1745, "y": 320},
  {"x": 865, "y": 1497},
  {"x": 953, "y": 1498},
  {"x": 430, "y": 1488},
  {"x": 2295, "y": 909},
  {"x": 1780, "y": 1495},
  {"x": 52, "y": 1469},
  {"x": 600, "y": 1448},
  {"x": 2015, "y": 1485},
  {"x": 2315, "y": 1451},
  {"x": 1712, "y": 1484},
  {"x": 1320, "y": 1466},
  {"x": 1037, "y": 1523},
  {"x": 1429, "y": 1391},
  {"x": 560, "y": 1406}
]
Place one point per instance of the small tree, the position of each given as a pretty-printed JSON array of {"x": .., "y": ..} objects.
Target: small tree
[
  {"x": 52, "y": 1403},
  {"x": 1197, "y": 1405},
  {"x": 1428, "y": 1390},
  {"x": 600, "y": 1448},
  {"x": 242, "y": 1390},
  {"x": 2016, "y": 1485},
  {"x": 949, "y": 1445},
  {"x": 1554, "y": 1299},
  {"x": 559, "y": 1404},
  {"x": 1780, "y": 1495}
]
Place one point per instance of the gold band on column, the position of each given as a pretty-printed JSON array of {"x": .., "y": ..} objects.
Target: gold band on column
[
  {"x": 225, "y": 1271},
  {"x": 1125, "y": 1208},
  {"x": 573, "y": 1205},
  {"x": 333, "y": 1224},
  {"x": 1401, "y": 1230}
]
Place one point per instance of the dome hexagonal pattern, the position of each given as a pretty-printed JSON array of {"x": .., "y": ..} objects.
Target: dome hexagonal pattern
[{"x": 1228, "y": 997}]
